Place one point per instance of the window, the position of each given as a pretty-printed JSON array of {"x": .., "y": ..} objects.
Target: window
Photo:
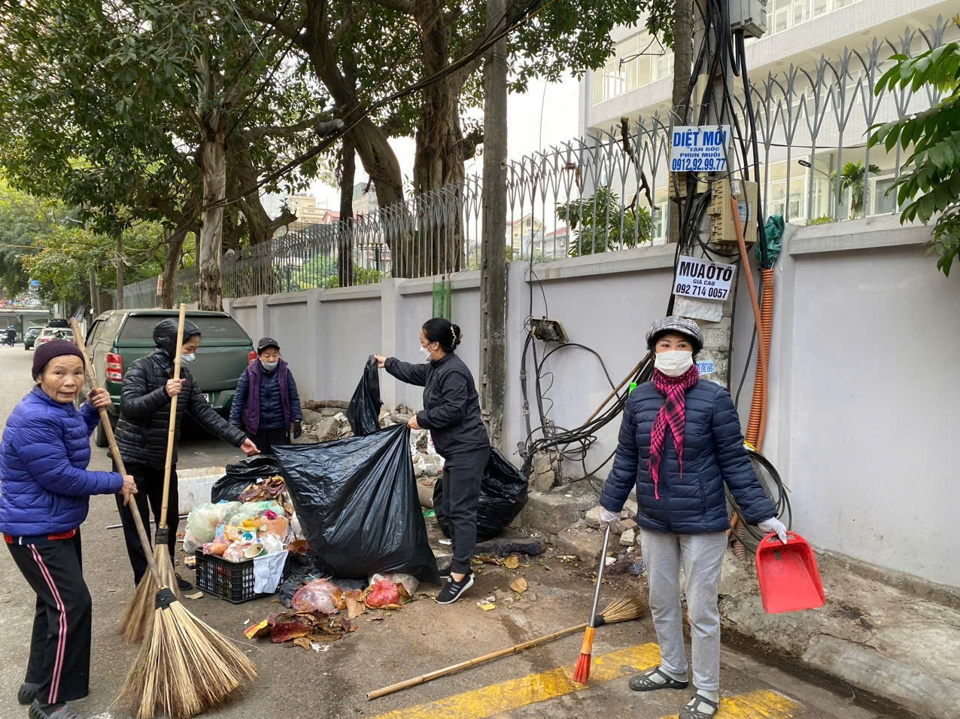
[
  {"x": 881, "y": 202},
  {"x": 140, "y": 327},
  {"x": 636, "y": 63},
  {"x": 785, "y": 14}
]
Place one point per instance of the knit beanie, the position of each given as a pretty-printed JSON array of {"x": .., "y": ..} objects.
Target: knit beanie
[{"x": 50, "y": 350}]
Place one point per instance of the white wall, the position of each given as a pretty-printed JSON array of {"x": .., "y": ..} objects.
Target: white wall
[{"x": 863, "y": 394}]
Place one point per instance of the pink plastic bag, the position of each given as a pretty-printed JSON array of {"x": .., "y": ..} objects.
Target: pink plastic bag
[{"x": 319, "y": 595}]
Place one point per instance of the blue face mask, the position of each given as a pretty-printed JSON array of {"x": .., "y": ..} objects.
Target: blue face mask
[{"x": 188, "y": 358}]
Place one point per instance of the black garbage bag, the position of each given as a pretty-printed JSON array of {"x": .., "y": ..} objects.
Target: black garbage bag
[
  {"x": 364, "y": 410},
  {"x": 503, "y": 493},
  {"x": 357, "y": 503},
  {"x": 241, "y": 475}
]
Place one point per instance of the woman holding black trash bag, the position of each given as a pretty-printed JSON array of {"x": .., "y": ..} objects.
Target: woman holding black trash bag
[{"x": 451, "y": 411}]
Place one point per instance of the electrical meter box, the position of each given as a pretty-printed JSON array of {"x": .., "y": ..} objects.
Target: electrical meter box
[
  {"x": 749, "y": 16},
  {"x": 722, "y": 228}
]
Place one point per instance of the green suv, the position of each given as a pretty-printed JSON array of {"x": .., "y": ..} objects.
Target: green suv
[{"x": 120, "y": 337}]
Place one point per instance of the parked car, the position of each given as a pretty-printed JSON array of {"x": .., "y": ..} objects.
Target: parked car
[
  {"x": 30, "y": 337},
  {"x": 49, "y": 334},
  {"x": 118, "y": 338}
]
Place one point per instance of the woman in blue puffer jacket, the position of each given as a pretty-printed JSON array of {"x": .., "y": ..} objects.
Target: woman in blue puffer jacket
[
  {"x": 680, "y": 442},
  {"x": 45, "y": 491}
]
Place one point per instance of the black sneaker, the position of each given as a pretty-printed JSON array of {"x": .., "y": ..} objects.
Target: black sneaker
[
  {"x": 27, "y": 693},
  {"x": 452, "y": 590},
  {"x": 183, "y": 585}
]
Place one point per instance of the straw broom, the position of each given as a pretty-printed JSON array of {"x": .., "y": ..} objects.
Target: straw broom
[
  {"x": 139, "y": 612},
  {"x": 187, "y": 666},
  {"x": 622, "y": 610},
  {"x": 581, "y": 674}
]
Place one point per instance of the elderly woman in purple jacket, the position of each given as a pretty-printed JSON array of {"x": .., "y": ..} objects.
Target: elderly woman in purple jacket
[
  {"x": 267, "y": 404},
  {"x": 45, "y": 490}
]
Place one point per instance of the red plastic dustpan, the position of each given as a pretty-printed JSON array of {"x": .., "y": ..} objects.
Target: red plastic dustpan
[{"x": 789, "y": 578}]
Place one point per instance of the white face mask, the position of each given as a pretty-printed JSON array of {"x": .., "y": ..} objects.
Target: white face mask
[
  {"x": 270, "y": 366},
  {"x": 674, "y": 363},
  {"x": 188, "y": 358},
  {"x": 425, "y": 352}
]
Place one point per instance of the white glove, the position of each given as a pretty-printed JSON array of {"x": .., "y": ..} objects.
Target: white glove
[
  {"x": 772, "y": 526},
  {"x": 608, "y": 517}
]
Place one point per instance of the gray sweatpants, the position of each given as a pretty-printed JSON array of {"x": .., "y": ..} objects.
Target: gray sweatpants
[{"x": 702, "y": 559}]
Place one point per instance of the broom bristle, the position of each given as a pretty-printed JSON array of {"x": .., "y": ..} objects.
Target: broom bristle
[
  {"x": 138, "y": 617},
  {"x": 168, "y": 577},
  {"x": 581, "y": 675},
  {"x": 624, "y": 610},
  {"x": 185, "y": 668}
]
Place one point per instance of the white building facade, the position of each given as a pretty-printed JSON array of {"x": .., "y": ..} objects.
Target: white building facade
[{"x": 813, "y": 75}]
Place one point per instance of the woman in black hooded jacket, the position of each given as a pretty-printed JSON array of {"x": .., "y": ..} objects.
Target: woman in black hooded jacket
[
  {"x": 143, "y": 427},
  {"x": 451, "y": 411}
]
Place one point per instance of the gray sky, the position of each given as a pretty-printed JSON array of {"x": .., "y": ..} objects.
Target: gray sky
[{"x": 524, "y": 120}]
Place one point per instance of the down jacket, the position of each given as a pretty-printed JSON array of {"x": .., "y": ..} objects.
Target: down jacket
[
  {"x": 451, "y": 405},
  {"x": 713, "y": 453},
  {"x": 44, "y": 483},
  {"x": 145, "y": 406},
  {"x": 266, "y": 400}
]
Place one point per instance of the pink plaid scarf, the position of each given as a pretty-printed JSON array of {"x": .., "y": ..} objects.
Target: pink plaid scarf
[{"x": 672, "y": 415}]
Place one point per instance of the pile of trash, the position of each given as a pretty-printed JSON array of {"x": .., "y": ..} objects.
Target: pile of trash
[
  {"x": 261, "y": 521},
  {"x": 323, "y": 609}
]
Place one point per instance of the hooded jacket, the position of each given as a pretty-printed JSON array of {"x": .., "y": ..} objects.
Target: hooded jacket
[
  {"x": 694, "y": 501},
  {"x": 145, "y": 406},
  {"x": 45, "y": 487}
]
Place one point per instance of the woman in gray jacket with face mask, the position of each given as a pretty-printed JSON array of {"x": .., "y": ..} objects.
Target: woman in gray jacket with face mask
[{"x": 451, "y": 411}]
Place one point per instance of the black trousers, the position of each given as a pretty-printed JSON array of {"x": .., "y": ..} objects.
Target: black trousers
[
  {"x": 462, "y": 473},
  {"x": 149, "y": 496},
  {"x": 60, "y": 645},
  {"x": 266, "y": 439}
]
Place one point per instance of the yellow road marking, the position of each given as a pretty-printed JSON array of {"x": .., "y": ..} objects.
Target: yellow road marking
[
  {"x": 533, "y": 688},
  {"x": 760, "y": 704}
]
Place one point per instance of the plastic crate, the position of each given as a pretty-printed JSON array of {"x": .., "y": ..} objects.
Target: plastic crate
[{"x": 232, "y": 581}]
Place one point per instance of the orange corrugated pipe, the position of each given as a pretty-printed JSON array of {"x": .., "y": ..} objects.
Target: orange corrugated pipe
[
  {"x": 766, "y": 319},
  {"x": 758, "y": 409}
]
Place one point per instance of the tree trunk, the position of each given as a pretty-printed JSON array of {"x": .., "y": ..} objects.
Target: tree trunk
[
  {"x": 682, "y": 66},
  {"x": 213, "y": 169},
  {"x": 441, "y": 149},
  {"x": 171, "y": 262},
  {"x": 348, "y": 173}
]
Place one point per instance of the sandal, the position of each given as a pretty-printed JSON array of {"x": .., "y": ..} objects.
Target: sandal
[
  {"x": 645, "y": 682},
  {"x": 27, "y": 693},
  {"x": 59, "y": 711},
  {"x": 693, "y": 711}
]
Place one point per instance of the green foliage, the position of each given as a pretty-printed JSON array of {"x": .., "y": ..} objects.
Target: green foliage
[
  {"x": 930, "y": 182},
  {"x": 825, "y": 220},
  {"x": 852, "y": 177},
  {"x": 601, "y": 223}
]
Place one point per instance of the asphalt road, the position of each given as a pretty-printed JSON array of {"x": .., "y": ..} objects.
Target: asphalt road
[{"x": 301, "y": 684}]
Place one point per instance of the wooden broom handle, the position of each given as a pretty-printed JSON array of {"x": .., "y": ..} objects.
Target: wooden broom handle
[
  {"x": 91, "y": 375},
  {"x": 424, "y": 678},
  {"x": 172, "y": 429}
]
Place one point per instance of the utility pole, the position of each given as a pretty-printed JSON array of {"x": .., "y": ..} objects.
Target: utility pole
[
  {"x": 94, "y": 292},
  {"x": 682, "y": 65},
  {"x": 493, "y": 250},
  {"x": 716, "y": 319},
  {"x": 119, "y": 272}
]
